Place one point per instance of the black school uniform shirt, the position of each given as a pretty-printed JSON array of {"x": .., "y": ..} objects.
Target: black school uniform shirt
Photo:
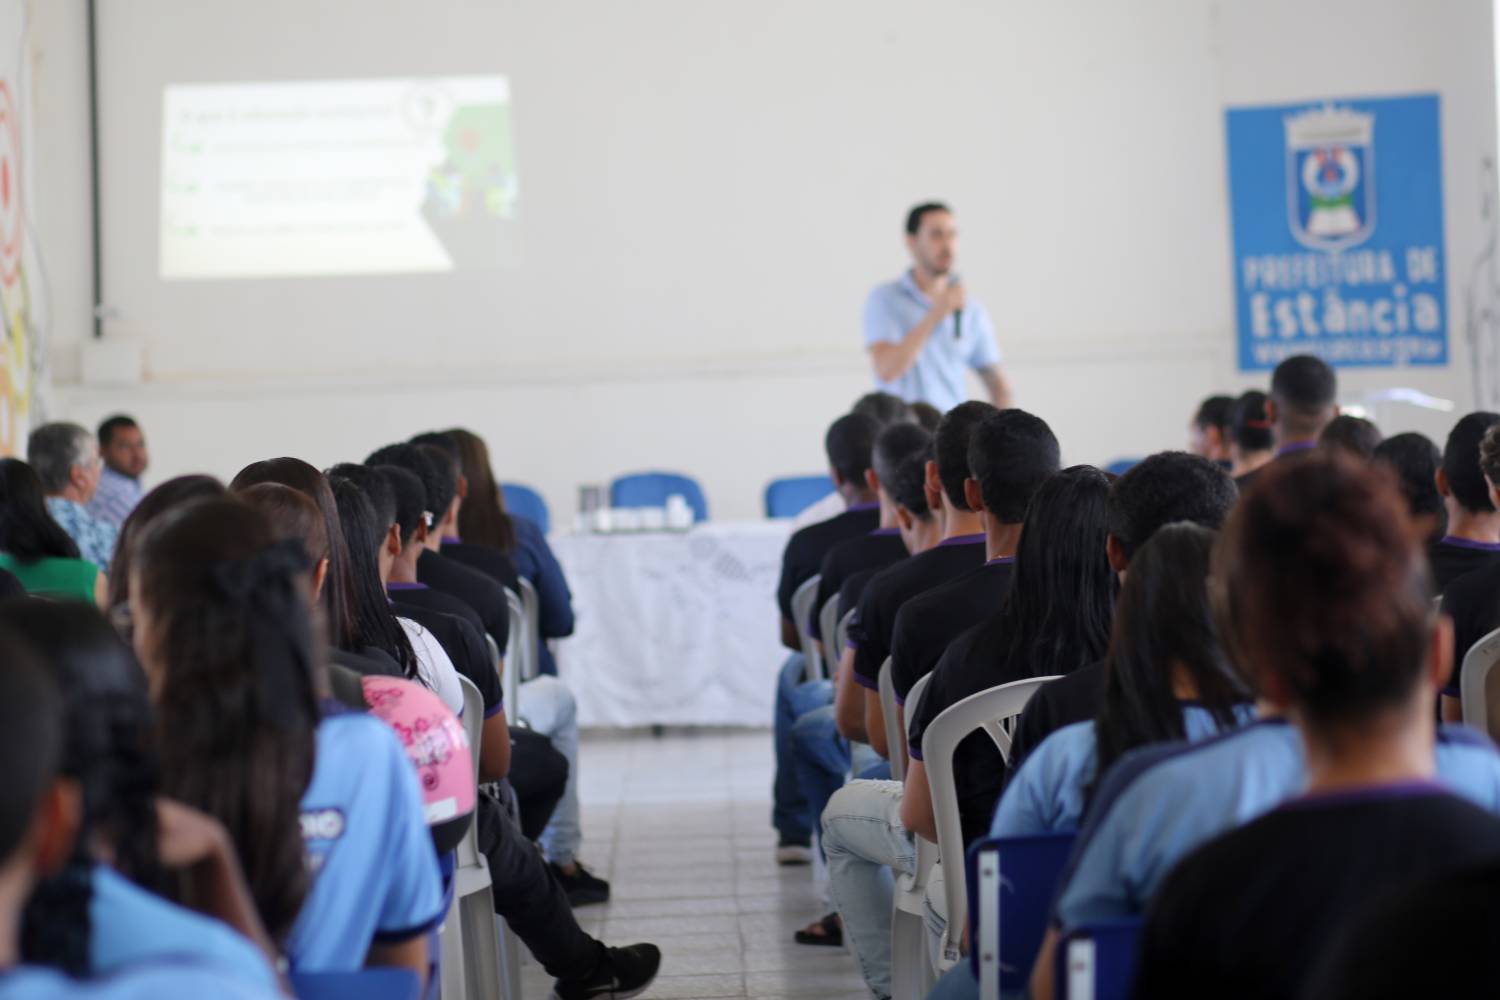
[
  {"x": 970, "y": 665},
  {"x": 478, "y": 591},
  {"x": 875, "y": 551},
  {"x": 464, "y": 646},
  {"x": 1251, "y": 913},
  {"x": 929, "y": 622},
  {"x": 1451, "y": 558},
  {"x": 1473, "y": 602},
  {"x": 1075, "y": 697},
  {"x": 870, "y": 633},
  {"x": 806, "y": 548},
  {"x": 491, "y": 562}
]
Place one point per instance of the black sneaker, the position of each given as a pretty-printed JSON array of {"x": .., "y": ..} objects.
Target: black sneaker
[
  {"x": 625, "y": 972},
  {"x": 583, "y": 886}
]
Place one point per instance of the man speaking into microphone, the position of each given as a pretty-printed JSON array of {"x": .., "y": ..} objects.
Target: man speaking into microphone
[{"x": 923, "y": 330}]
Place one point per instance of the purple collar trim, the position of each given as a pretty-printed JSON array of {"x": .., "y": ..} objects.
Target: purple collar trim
[
  {"x": 855, "y": 508},
  {"x": 450, "y": 540},
  {"x": 1294, "y": 447},
  {"x": 1469, "y": 543},
  {"x": 973, "y": 539},
  {"x": 884, "y": 532},
  {"x": 405, "y": 586},
  {"x": 1001, "y": 561},
  {"x": 1394, "y": 790}
]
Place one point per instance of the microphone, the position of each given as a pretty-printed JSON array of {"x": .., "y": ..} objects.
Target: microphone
[{"x": 958, "y": 314}]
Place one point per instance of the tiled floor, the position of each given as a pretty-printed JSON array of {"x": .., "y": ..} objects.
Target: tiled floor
[{"x": 680, "y": 825}]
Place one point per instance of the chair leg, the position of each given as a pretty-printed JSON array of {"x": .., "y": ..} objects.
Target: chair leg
[
  {"x": 908, "y": 956},
  {"x": 510, "y": 961},
  {"x": 481, "y": 946},
  {"x": 451, "y": 962}
]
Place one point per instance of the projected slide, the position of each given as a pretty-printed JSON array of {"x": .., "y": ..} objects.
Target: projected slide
[{"x": 337, "y": 177}]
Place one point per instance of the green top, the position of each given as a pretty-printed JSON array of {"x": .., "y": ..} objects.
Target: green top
[{"x": 71, "y": 578}]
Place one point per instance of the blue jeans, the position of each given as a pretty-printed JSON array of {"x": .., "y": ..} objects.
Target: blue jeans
[
  {"x": 820, "y": 756},
  {"x": 795, "y": 697},
  {"x": 958, "y": 983}
]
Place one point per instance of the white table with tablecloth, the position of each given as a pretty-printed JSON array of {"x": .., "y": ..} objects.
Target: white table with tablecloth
[{"x": 674, "y": 628}]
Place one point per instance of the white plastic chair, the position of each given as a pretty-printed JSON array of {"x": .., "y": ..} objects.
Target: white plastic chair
[
  {"x": 803, "y": 599},
  {"x": 471, "y": 916},
  {"x": 841, "y": 636},
  {"x": 1479, "y": 684},
  {"x": 510, "y": 687},
  {"x": 519, "y": 651},
  {"x": 893, "y": 743},
  {"x": 912, "y": 973},
  {"x": 828, "y": 628},
  {"x": 531, "y": 606},
  {"x": 994, "y": 711}
]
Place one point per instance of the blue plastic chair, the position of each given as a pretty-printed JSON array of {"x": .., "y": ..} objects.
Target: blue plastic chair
[
  {"x": 528, "y": 503},
  {"x": 791, "y": 495},
  {"x": 651, "y": 489},
  {"x": 367, "y": 984},
  {"x": 1011, "y": 881},
  {"x": 1097, "y": 961},
  {"x": 1120, "y": 466}
]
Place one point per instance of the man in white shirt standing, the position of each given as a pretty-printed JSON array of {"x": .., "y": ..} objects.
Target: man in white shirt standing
[{"x": 923, "y": 331}]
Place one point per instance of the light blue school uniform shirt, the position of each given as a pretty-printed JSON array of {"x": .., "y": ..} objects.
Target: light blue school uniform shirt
[
  {"x": 130, "y": 926},
  {"x": 938, "y": 376},
  {"x": 1160, "y": 803},
  {"x": 1047, "y": 794},
  {"x": 181, "y": 978},
  {"x": 375, "y": 871}
]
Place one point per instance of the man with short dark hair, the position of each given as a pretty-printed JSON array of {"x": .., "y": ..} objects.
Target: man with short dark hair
[
  {"x": 66, "y": 460},
  {"x": 1473, "y": 537},
  {"x": 122, "y": 446},
  {"x": 1303, "y": 400},
  {"x": 1415, "y": 460},
  {"x": 922, "y": 330},
  {"x": 885, "y": 410},
  {"x": 1166, "y": 488},
  {"x": 1473, "y": 599},
  {"x": 1209, "y": 432}
]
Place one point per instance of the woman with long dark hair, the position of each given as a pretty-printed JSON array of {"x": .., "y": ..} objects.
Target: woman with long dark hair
[
  {"x": 35, "y": 548},
  {"x": 1166, "y": 678},
  {"x": 1251, "y": 441},
  {"x": 167, "y": 496},
  {"x": 106, "y": 909},
  {"x": 223, "y": 628}
]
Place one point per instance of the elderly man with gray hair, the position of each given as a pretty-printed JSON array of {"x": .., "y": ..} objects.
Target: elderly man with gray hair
[{"x": 66, "y": 459}]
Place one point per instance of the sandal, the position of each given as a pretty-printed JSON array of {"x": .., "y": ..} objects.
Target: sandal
[{"x": 829, "y": 932}]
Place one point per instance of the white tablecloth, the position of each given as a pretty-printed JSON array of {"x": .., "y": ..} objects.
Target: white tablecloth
[{"x": 676, "y": 629}]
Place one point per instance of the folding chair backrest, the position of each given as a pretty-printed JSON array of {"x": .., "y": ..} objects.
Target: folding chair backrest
[
  {"x": 828, "y": 630},
  {"x": 531, "y": 608},
  {"x": 510, "y": 689},
  {"x": 1011, "y": 882},
  {"x": 1479, "y": 684},
  {"x": 651, "y": 489},
  {"x": 994, "y": 711},
  {"x": 841, "y": 637},
  {"x": 791, "y": 495},
  {"x": 367, "y": 984},
  {"x": 473, "y": 721},
  {"x": 1097, "y": 961},
  {"x": 893, "y": 744},
  {"x": 528, "y": 503},
  {"x": 803, "y": 599},
  {"x": 515, "y": 652}
]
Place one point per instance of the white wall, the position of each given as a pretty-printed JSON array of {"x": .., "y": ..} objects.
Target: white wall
[{"x": 710, "y": 189}]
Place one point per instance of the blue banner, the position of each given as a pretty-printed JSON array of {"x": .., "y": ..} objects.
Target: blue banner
[{"x": 1337, "y": 211}]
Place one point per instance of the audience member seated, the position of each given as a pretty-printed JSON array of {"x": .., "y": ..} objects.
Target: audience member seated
[
  {"x": 1011, "y": 454},
  {"x": 925, "y": 415},
  {"x": 1472, "y": 540},
  {"x": 1472, "y": 600},
  {"x": 1304, "y": 400},
  {"x": 881, "y": 407},
  {"x": 1416, "y": 460},
  {"x": 223, "y": 628},
  {"x": 1165, "y": 488},
  {"x": 104, "y": 911},
  {"x": 484, "y": 525},
  {"x": 1210, "y": 432},
  {"x": 34, "y": 548},
  {"x": 39, "y": 816},
  {"x": 122, "y": 447},
  {"x": 485, "y": 595},
  {"x": 66, "y": 460},
  {"x": 1328, "y": 608},
  {"x": 1356, "y": 435},
  {"x": 1055, "y": 618},
  {"x": 443, "y": 459},
  {"x": 1316, "y": 545},
  {"x": 368, "y": 644},
  {"x": 960, "y": 550},
  {"x": 1252, "y": 438}
]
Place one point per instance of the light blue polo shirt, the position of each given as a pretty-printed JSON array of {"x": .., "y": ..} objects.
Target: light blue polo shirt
[
  {"x": 1158, "y": 804},
  {"x": 938, "y": 374},
  {"x": 375, "y": 871},
  {"x": 1048, "y": 793}
]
